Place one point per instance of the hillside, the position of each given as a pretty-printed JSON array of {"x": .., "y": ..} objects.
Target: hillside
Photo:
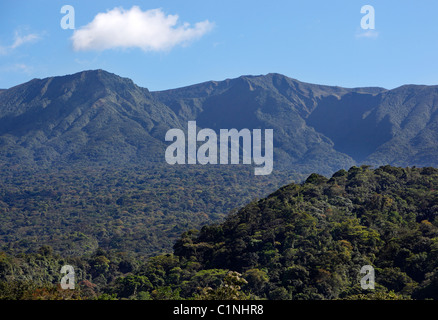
[
  {"x": 96, "y": 118},
  {"x": 319, "y": 128},
  {"x": 92, "y": 118},
  {"x": 82, "y": 156},
  {"x": 304, "y": 241},
  {"x": 310, "y": 240}
]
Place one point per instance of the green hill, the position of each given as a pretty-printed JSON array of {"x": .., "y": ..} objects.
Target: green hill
[{"x": 304, "y": 241}]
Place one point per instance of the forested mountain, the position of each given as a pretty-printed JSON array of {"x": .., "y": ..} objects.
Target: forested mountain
[
  {"x": 91, "y": 117},
  {"x": 304, "y": 241},
  {"x": 271, "y": 101},
  {"x": 320, "y": 126},
  {"x": 83, "y": 178},
  {"x": 310, "y": 240},
  {"x": 95, "y": 117}
]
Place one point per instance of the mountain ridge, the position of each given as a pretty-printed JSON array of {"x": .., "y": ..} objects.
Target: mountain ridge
[{"x": 98, "y": 117}]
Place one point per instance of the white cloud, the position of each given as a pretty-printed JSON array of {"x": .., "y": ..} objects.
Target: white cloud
[
  {"x": 150, "y": 30},
  {"x": 19, "y": 40}
]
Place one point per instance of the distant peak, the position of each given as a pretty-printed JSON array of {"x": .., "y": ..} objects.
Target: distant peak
[
  {"x": 98, "y": 72},
  {"x": 272, "y": 76},
  {"x": 94, "y": 73},
  {"x": 104, "y": 77}
]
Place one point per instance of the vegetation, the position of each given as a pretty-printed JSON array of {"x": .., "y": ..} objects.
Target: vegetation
[
  {"x": 141, "y": 210},
  {"x": 304, "y": 241}
]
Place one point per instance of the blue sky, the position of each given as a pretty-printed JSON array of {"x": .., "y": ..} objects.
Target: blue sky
[{"x": 317, "y": 41}]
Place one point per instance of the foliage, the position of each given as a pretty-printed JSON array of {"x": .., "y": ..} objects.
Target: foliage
[
  {"x": 304, "y": 241},
  {"x": 140, "y": 210}
]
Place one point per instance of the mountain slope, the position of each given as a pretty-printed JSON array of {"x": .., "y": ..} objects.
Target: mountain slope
[
  {"x": 320, "y": 126},
  {"x": 310, "y": 240},
  {"x": 306, "y": 241},
  {"x": 271, "y": 101},
  {"x": 95, "y": 117},
  {"x": 91, "y": 116}
]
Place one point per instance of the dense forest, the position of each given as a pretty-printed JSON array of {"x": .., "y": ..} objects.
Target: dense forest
[
  {"x": 138, "y": 209},
  {"x": 306, "y": 240}
]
